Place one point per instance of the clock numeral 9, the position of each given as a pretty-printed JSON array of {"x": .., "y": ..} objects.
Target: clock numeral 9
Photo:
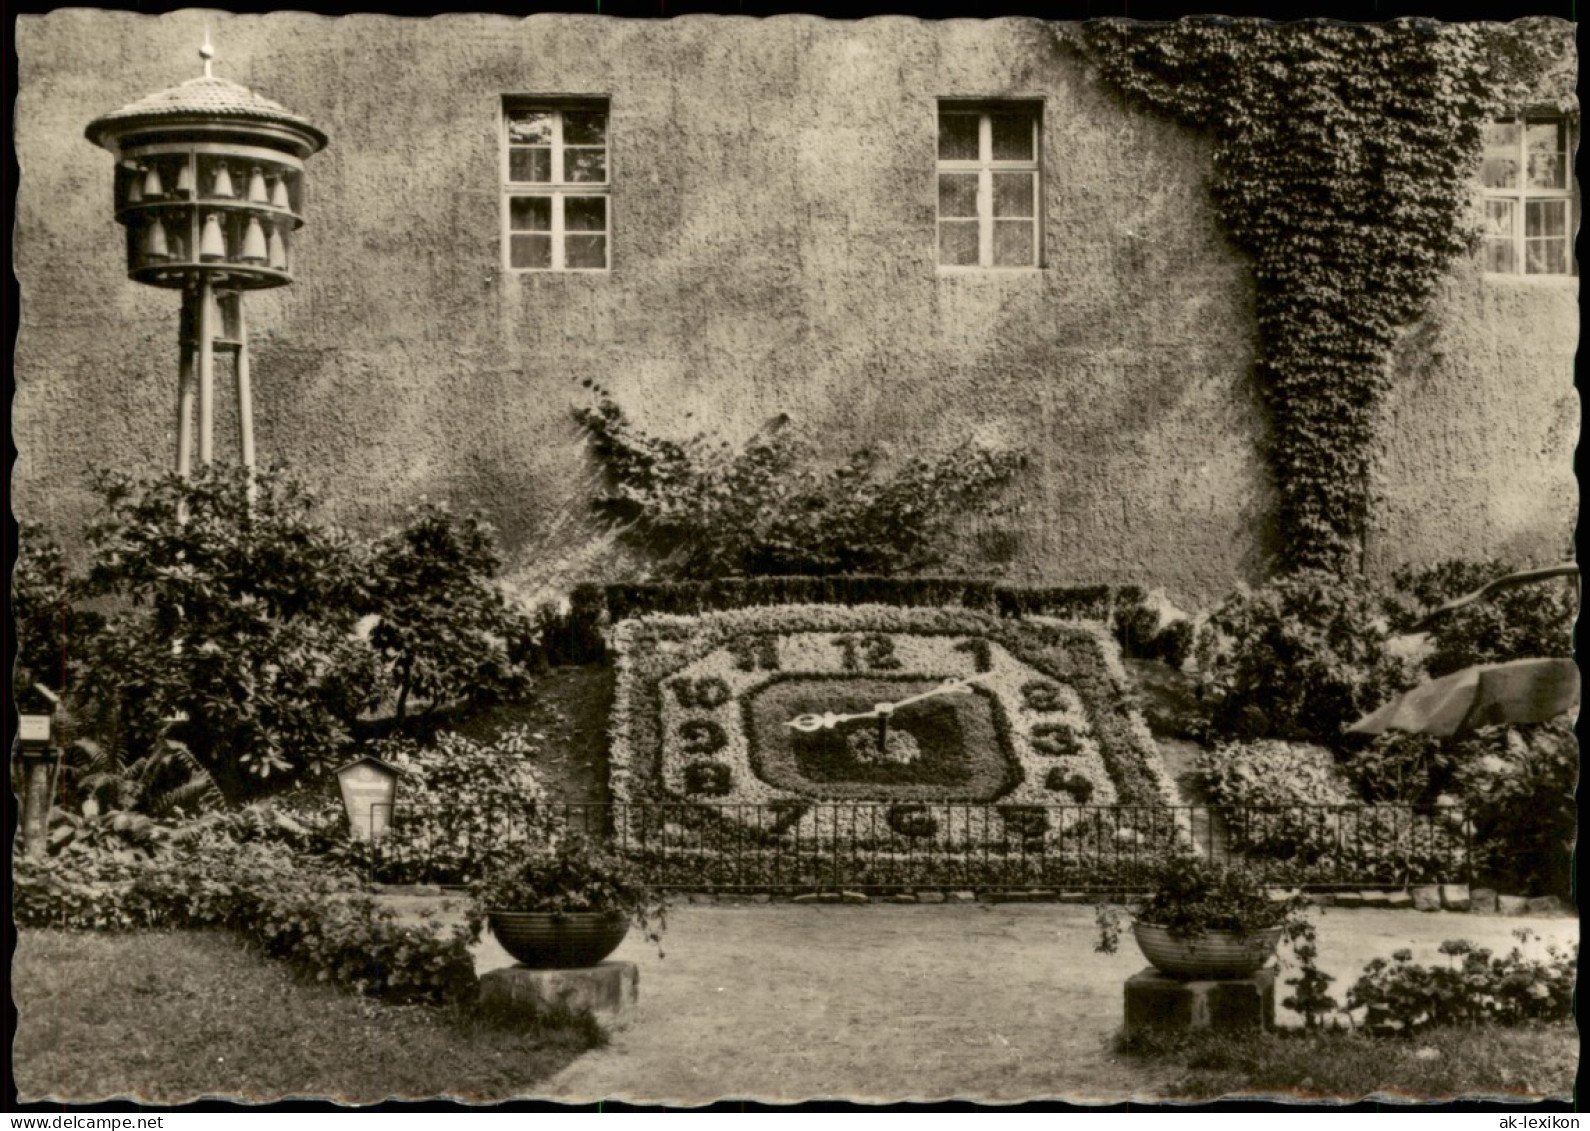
[
  {"x": 706, "y": 692},
  {"x": 982, "y": 657},
  {"x": 874, "y": 650},
  {"x": 701, "y": 736},
  {"x": 754, "y": 653},
  {"x": 1040, "y": 696}
]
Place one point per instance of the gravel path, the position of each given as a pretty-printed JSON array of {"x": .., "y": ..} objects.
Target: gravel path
[{"x": 1000, "y": 1003}]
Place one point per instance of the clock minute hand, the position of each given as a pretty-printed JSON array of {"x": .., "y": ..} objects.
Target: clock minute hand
[{"x": 811, "y": 723}]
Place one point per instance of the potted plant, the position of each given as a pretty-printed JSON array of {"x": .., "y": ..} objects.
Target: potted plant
[
  {"x": 1205, "y": 920},
  {"x": 569, "y": 905}
]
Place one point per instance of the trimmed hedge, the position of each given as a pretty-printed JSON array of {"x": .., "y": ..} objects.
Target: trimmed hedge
[{"x": 323, "y": 922}]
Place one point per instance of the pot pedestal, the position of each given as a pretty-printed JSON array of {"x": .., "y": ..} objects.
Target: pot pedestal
[
  {"x": 1230, "y": 1005},
  {"x": 607, "y": 992}
]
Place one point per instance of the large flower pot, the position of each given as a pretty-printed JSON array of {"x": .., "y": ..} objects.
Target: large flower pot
[
  {"x": 1212, "y": 955},
  {"x": 549, "y": 941}
]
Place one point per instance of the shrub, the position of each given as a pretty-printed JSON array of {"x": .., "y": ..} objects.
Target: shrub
[
  {"x": 1301, "y": 658},
  {"x": 1270, "y": 773},
  {"x": 315, "y": 918},
  {"x": 1514, "y": 624},
  {"x": 466, "y": 808},
  {"x": 1517, "y": 786},
  {"x": 234, "y": 615},
  {"x": 764, "y": 510},
  {"x": 1398, "y": 767},
  {"x": 1402, "y": 997},
  {"x": 444, "y": 628},
  {"x": 47, "y": 622}
]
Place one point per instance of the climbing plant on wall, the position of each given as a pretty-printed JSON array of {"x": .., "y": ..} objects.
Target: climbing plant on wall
[{"x": 1344, "y": 159}]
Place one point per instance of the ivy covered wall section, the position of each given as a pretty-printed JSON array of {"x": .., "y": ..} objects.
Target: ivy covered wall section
[{"x": 1344, "y": 165}]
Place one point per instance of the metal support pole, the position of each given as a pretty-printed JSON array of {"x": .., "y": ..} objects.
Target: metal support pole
[
  {"x": 207, "y": 320},
  {"x": 186, "y": 339},
  {"x": 36, "y": 806},
  {"x": 245, "y": 393}
]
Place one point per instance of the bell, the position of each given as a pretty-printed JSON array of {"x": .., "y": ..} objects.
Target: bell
[
  {"x": 279, "y": 197},
  {"x": 135, "y": 185},
  {"x": 256, "y": 187},
  {"x": 155, "y": 245},
  {"x": 152, "y": 187},
  {"x": 278, "y": 249},
  {"x": 185, "y": 180},
  {"x": 212, "y": 244},
  {"x": 223, "y": 183},
  {"x": 254, "y": 242}
]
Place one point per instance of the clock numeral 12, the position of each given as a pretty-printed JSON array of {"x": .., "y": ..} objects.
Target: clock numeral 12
[
  {"x": 982, "y": 657},
  {"x": 874, "y": 649}
]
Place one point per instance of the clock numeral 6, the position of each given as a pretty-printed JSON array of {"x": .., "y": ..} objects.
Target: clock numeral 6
[
  {"x": 982, "y": 658},
  {"x": 754, "y": 653},
  {"x": 701, "y": 736},
  {"x": 1054, "y": 739},
  {"x": 875, "y": 650},
  {"x": 706, "y": 692},
  {"x": 1041, "y": 696}
]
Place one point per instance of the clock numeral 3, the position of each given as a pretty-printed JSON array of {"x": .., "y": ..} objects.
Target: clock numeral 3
[
  {"x": 1054, "y": 739},
  {"x": 701, "y": 736},
  {"x": 874, "y": 650},
  {"x": 706, "y": 692}
]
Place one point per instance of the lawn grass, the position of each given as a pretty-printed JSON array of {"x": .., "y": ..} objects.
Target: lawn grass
[
  {"x": 172, "y": 1016},
  {"x": 1527, "y": 1063}
]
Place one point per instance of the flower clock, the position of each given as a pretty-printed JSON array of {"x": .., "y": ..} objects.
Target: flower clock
[{"x": 943, "y": 726}]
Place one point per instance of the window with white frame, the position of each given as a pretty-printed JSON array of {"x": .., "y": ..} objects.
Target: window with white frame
[
  {"x": 1529, "y": 204},
  {"x": 556, "y": 213},
  {"x": 989, "y": 185}
]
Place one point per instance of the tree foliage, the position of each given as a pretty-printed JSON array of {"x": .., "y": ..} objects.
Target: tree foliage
[{"x": 1344, "y": 157}]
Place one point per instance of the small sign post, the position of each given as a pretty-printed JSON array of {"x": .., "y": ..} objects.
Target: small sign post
[
  {"x": 35, "y": 742},
  {"x": 369, "y": 790}
]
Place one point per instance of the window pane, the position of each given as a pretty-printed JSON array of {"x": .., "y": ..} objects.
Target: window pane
[
  {"x": 1499, "y": 256},
  {"x": 1013, "y": 194},
  {"x": 1501, "y": 155},
  {"x": 585, "y": 214},
  {"x": 1012, "y": 137},
  {"x": 958, "y": 243},
  {"x": 585, "y": 251},
  {"x": 1547, "y": 143},
  {"x": 957, "y": 137},
  {"x": 530, "y": 127},
  {"x": 530, "y": 214},
  {"x": 584, "y": 127},
  {"x": 530, "y": 166},
  {"x": 530, "y": 252},
  {"x": 585, "y": 166},
  {"x": 1012, "y": 243},
  {"x": 1545, "y": 218},
  {"x": 1546, "y": 257},
  {"x": 957, "y": 194},
  {"x": 1499, "y": 219}
]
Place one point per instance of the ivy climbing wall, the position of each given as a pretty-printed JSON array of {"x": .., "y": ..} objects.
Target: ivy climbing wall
[{"x": 773, "y": 251}]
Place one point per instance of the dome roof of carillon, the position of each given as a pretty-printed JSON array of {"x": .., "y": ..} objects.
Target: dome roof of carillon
[{"x": 205, "y": 97}]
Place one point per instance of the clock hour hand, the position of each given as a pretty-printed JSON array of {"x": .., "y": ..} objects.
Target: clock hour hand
[{"x": 812, "y": 723}]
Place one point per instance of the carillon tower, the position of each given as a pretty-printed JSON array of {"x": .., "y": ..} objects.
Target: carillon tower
[{"x": 210, "y": 187}]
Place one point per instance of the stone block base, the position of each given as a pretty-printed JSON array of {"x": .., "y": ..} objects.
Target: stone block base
[
  {"x": 607, "y": 992},
  {"x": 1158, "y": 1001}
]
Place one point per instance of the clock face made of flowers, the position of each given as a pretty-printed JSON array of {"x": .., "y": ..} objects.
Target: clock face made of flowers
[{"x": 926, "y": 714}]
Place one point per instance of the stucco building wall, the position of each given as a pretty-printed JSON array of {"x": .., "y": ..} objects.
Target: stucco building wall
[{"x": 773, "y": 250}]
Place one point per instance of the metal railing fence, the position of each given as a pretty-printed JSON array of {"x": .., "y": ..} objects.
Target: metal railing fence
[{"x": 787, "y": 847}]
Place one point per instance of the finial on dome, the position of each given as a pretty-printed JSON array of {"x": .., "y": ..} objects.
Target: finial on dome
[{"x": 207, "y": 51}]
